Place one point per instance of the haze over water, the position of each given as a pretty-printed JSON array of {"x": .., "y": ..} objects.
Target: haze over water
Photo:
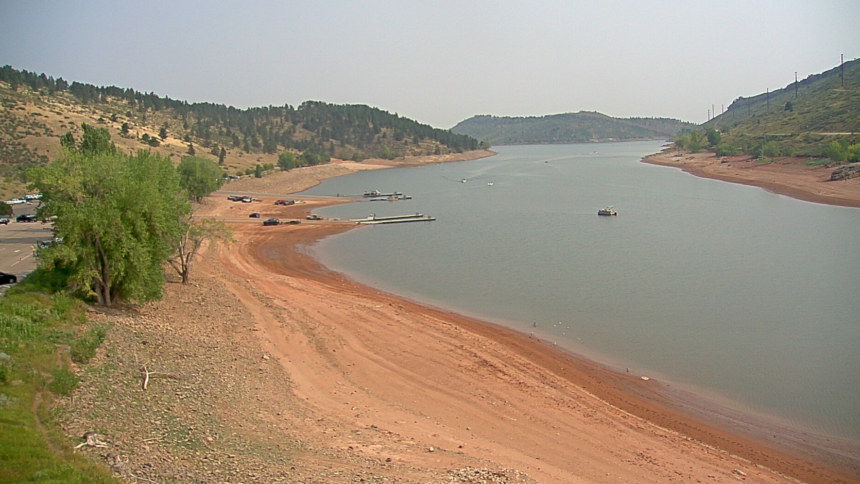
[{"x": 736, "y": 294}]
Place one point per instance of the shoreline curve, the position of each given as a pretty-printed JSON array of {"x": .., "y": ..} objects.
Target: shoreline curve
[{"x": 283, "y": 253}]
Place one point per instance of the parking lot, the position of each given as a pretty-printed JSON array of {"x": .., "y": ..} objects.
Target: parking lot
[{"x": 17, "y": 240}]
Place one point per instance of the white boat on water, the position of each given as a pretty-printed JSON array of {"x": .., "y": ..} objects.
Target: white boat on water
[{"x": 607, "y": 211}]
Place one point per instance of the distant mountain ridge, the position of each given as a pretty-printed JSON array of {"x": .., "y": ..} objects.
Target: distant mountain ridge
[{"x": 581, "y": 127}]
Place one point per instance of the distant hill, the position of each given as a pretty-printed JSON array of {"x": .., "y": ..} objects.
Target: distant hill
[
  {"x": 801, "y": 120},
  {"x": 36, "y": 109},
  {"x": 581, "y": 127}
]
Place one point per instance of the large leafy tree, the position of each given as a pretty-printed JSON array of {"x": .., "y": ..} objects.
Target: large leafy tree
[
  {"x": 287, "y": 161},
  {"x": 119, "y": 218},
  {"x": 199, "y": 176}
]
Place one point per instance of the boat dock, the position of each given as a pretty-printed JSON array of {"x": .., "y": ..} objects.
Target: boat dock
[
  {"x": 395, "y": 219},
  {"x": 377, "y": 193},
  {"x": 392, "y": 198}
]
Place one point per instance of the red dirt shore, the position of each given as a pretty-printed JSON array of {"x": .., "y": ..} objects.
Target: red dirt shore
[
  {"x": 785, "y": 176},
  {"x": 457, "y": 391}
]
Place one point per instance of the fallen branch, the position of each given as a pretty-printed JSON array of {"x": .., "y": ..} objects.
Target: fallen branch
[
  {"x": 147, "y": 374},
  {"x": 146, "y": 377},
  {"x": 91, "y": 440}
]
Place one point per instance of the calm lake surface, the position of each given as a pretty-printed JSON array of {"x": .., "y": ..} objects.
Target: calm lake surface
[{"x": 740, "y": 296}]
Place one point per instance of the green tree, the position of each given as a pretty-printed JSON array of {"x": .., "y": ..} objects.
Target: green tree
[
  {"x": 124, "y": 129},
  {"x": 162, "y": 132},
  {"x": 853, "y": 152},
  {"x": 191, "y": 149},
  {"x": 67, "y": 141},
  {"x": 118, "y": 217},
  {"x": 6, "y": 209},
  {"x": 95, "y": 141},
  {"x": 837, "y": 151},
  {"x": 222, "y": 155},
  {"x": 725, "y": 149},
  {"x": 286, "y": 161},
  {"x": 198, "y": 176},
  {"x": 258, "y": 171},
  {"x": 770, "y": 149},
  {"x": 694, "y": 141},
  {"x": 192, "y": 238},
  {"x": 713, "y": 136}
]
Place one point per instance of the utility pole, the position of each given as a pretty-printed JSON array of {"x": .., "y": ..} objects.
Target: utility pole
[
  {"x": 795, "y": 84},
  {"x": 713, "y": 110}
]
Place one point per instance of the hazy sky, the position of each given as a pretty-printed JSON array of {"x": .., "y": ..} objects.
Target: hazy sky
[{"x": 438, "y": 62}]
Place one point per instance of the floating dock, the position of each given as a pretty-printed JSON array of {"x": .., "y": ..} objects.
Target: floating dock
[
  {"x": 395, "y": 219},
  {"x": 377, "y": 193},
  {"x": 392, "y": 198}
]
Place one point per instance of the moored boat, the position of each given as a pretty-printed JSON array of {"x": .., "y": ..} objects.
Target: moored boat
[{"x": 607, "y": 211}]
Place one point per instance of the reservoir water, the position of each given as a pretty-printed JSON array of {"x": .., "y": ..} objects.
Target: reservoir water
[{"x": 735, "y": 294}]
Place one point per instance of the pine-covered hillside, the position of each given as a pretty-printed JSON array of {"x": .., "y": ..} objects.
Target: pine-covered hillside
[
  {"x": 37, "y": 109},
  {"x": 581, "y": 127}
]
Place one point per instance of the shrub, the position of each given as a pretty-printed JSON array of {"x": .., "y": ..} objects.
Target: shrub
[
  {"x": 770, "y": 149},
  {"x": 837, "y": 151},
  {"x": 63, "y": 381},
  {"x": 84, "y": 347},
  {"x": 725, "y": 149}
]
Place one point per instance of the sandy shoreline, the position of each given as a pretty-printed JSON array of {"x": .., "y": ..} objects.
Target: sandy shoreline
[
  {"x": 486, "y": 392},
  {"x": 786, "y": 176}
]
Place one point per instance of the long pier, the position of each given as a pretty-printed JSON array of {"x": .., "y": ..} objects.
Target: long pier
[
  {"x": 377, "y": 193},
  {"x": 394, "y": 219},
  {"x": 392, "y": 198}
]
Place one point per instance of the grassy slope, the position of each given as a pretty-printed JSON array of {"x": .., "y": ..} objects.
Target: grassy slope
[
  {"x": 566, "y": 128},
  {"x": 31, "y": 124},
  {"x": 40, "y": 335},
  {"x": 821, "y": 111}
]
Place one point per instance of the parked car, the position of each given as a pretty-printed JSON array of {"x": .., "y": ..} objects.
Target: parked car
[
  {"x": 314, "y": 216},
  {"x": 234, "y": 198},
  {"x": 254, "y": 215},
  {"x": 27, "y": 217},
  {"x": 271, "y": 221},
  {"x": 247, "y": 199},
  {"x": 8, "y": 278},
  {"x": 4, "y": 220},
  {"x": 285, "y": 202},
  {"x": 44, "y": 244}
]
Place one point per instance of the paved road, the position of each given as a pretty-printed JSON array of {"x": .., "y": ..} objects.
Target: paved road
[{"x": 17, "y": 240}]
